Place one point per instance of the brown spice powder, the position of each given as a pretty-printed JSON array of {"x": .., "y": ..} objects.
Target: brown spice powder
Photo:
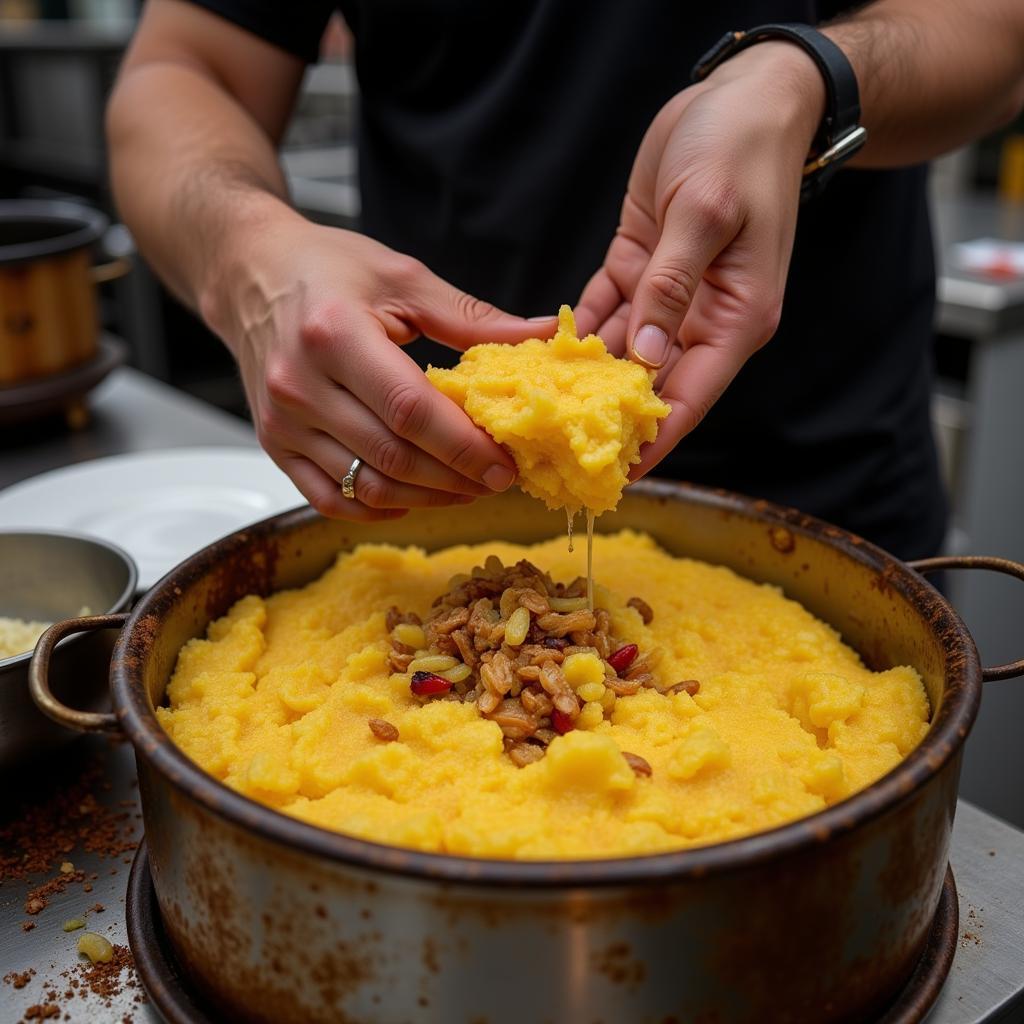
[
  {"x": 42, "y": 1011},
  {"x": 19, "y": 979},
  {"x": 47, "y": 826},
  {"x": 104, "y": 979}
]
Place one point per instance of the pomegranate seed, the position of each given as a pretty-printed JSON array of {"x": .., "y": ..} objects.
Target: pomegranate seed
[
  {"x": 621, "y": 659},
  {"x": 561, "y": 721},
  {"x": 426, "y": 684}
]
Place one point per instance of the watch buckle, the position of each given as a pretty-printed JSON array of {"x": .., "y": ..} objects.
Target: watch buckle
[{"x": 843, "y": 148}]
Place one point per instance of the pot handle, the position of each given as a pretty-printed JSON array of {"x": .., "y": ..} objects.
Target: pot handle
[
  {"x": 103, "y": 272},
  {"x": 118, "y": 245},
  {"x": 39, "y": 675},
  {"x": 1003, "y": 565}
]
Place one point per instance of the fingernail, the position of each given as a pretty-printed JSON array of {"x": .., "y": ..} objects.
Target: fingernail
[
  {"x": 538, "y": 319},
  {"x": 498, "y": 477},
  {"x": 650, "y": 346}
]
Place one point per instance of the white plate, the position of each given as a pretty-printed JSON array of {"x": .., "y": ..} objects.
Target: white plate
[{"x": 160, "y": 506}]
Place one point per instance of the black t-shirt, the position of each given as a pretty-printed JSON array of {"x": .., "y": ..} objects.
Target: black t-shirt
[{"x": 495, "y": 141}]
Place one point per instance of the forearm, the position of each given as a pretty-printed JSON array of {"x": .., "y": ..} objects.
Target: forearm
[
  {"x": 192, "y": 173},
  {"x": 933, "y": 74}
]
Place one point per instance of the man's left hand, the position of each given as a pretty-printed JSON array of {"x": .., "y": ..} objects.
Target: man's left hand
[{"x": 693, "y": 281}]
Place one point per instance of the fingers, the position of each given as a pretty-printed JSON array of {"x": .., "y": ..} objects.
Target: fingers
[
  {"x": 695, "y": 231},
  {"x": 372, "y": 487},
  {"x": 695, "y": 382},
  {"x": 613, "y": 330},
  {"x": 343, "y": 418},
  {"x": 324, "y": 494},
  {"x": 598, "y": 301},
  {"x": 393, "y": 387},
  {"x": 459, "y": 320}
]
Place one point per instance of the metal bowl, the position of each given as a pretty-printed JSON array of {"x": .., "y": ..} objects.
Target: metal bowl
[
  {"x": 822, "y": 919},
  {"x": 47, "y": 577}
]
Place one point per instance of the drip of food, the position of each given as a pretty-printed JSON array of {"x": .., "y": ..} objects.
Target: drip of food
[{"x": 526, "y": 651}]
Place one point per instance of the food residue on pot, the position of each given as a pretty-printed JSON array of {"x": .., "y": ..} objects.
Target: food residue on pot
[{"x": 55, "y": 826}]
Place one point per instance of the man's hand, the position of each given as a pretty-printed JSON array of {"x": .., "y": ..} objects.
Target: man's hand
[
  {"x": 314, "y": 316},
  {"x": 692, "y": 284},
  {"x": 693, "y": 281}
]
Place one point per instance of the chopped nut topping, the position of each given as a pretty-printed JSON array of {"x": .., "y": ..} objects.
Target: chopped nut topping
[
  {"x": 498, "y": 638},
  {"x": 522, "y": 754},
  {"x": 383, "y": 730},
  {"x": 393, "y": 617},
  {"x": 638, "y": 764},
  {"x": 690, "y": 686},
  {"x": 642, "y": 607},
  {"x": 557, "y": 624}
]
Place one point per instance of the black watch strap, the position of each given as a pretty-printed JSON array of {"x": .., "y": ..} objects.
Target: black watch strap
[{"x": 841, "y": 133}]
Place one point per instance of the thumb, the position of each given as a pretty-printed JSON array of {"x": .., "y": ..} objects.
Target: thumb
[
  {"x": 460, "y": 320},
  {"x": 692, "y": 235}
]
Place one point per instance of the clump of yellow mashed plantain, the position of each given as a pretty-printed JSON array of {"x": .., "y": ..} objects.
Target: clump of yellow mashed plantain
[
  {"x": 572, "y": 415},
  {"x": 279, "y": 700}
]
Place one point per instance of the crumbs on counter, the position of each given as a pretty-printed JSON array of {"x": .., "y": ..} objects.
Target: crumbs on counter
[
  {"x": 102, "y": 980},
  {"x": 37, "y": 837},
  {"x": 42, "y": 1011},
  {"x": 47, "y": 827},
  {"x": 40, "y": 834}
]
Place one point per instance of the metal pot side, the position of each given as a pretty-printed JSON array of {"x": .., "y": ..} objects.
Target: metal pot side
[
  {"x": 819, "y": 920},
  {"x": 49, "y": 576}
]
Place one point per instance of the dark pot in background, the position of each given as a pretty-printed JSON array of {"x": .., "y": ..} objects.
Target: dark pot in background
[{"x": 48, "y": 316}]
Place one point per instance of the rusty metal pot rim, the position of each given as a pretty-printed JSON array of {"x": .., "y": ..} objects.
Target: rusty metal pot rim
[{"x": 951, "y": 723}]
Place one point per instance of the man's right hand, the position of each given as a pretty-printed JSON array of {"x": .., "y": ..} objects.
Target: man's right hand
[{"x": 315, "y": 317}]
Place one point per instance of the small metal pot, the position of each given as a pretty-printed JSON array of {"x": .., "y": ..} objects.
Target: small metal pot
[
  {"x": 48, "y": 318},
  {"x": 46, "y": 576},
  {"x": 819, "y": 920}
]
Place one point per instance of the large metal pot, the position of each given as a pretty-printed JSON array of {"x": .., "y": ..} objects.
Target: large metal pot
[{"x": 820, "y": 920}]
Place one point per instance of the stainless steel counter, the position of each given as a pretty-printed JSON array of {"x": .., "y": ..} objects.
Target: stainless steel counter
[{"x": 132, "y": 413}]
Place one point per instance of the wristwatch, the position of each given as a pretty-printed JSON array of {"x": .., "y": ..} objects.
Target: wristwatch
[{"x": 840, "y": 134}]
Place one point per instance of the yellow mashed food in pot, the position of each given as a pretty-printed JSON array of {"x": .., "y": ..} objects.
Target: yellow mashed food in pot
[
  {"x": 277, "y": 702},
  {"x": 572, "y": 415}
]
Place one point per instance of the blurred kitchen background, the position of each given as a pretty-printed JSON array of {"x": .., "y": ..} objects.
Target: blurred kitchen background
[{"x": 58, "y": 59}]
